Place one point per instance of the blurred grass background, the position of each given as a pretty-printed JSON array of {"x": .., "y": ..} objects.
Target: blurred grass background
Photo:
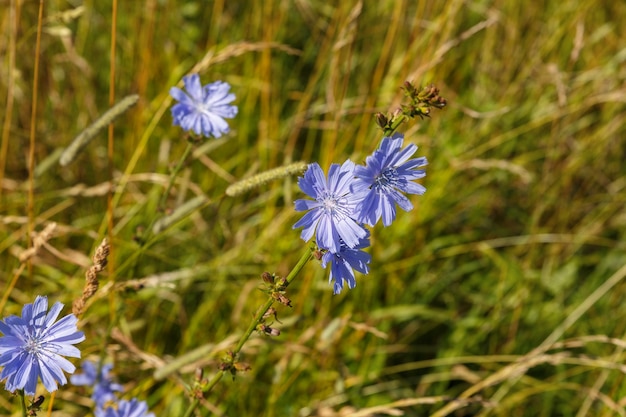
[{"x": 501, "y": 294}]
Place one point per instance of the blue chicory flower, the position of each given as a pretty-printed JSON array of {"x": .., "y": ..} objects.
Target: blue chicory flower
[
  {"x": 203, "y": 108},
  {"x": 103, "y": 386},
  {"x": 387, "y": 174},
  {"x": 330, "y": 214},
  {"x": 124, "y": 408},
  {"x": 343, "y": 263},
  {"x": 33, "y": 346}
]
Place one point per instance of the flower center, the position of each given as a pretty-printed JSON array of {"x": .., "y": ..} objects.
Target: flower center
[
  {"x": 330, "y": 203},
  {"x": 33, "y": 345},
  {"x": 387, "y": 179},
  {"x": 333, "y": 205}
]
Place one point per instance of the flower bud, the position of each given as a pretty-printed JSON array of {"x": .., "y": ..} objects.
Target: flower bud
[
  {"x": 381, "y": 120},
  {"x": 267, "y": 277}
]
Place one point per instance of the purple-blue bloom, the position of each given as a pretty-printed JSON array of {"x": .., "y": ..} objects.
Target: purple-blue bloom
[
  {"x": 330, "y": 213},
  {"x": 343, "y": 262},
  {"x": 103, "y": 386},
  {"x": 203, "y": 109},
  {"x": 387, "y": 174},
  {"x": 132, "y": 408},
  {"x": 33, "y": 346}
]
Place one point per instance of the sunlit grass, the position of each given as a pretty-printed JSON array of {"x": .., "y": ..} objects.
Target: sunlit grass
[{"x": 467, "y": 295}]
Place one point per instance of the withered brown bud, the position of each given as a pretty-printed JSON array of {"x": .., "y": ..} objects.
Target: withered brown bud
[
  {"x": 242, "y": 366},
  {"x": 197, "y": 393},
  {"x": 282, "y": 299},
  {"x": 409, "y": 89},
  {"x": 267, "y": 277},
  {"x": 270, "y": 331},
  {"x": 225, "y": 366},
  {"x": 439, "y": 102},
  {"x": 381, "y": 120},
  {"x": 270, "y": 312}
]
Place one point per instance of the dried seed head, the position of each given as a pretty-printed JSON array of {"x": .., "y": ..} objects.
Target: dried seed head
[{"x": 91, "y": 277}]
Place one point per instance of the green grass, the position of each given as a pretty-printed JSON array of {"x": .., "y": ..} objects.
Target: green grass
[{"x": 479, "y": 302}]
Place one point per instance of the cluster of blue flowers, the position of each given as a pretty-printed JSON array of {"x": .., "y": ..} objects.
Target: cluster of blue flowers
[
  {"x": 104, "y": 389},
  {"x": 353, "y": 196},
  {"x": 126, "y": 408},
  {"x": 33, "y": 347}
]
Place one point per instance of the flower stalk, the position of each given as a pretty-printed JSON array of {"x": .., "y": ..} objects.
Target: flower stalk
[
  {"x": 23, "y": 402},
  {"x": 230, "y": 364}
]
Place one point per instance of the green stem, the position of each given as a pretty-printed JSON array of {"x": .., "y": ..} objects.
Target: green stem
[
  {"x": 23, "y": 401},
  {"x": 194, "y": 404},
  {"x": 148, "y": 237},
  {"x": 395, "y": 124},
  {"x": 175, "y": 172},
  {"x": 306, "y": 257},
  {"x": 170, "y": 184}
]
